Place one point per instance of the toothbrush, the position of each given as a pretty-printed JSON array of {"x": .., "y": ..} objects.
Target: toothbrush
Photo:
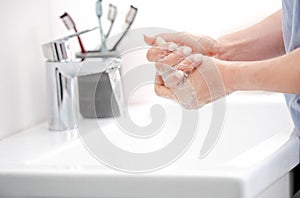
[
  {"x": 112, "y": 14},
  {"x": 99, "y": 13},
  {"x": 129, "y": 20},
  {"x": 70, "y": 24}
]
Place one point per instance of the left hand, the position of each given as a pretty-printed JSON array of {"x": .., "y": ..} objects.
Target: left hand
[{"x": 203, "y": 85}]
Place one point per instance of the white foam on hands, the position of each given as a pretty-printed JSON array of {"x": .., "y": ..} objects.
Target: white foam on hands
[
  {"x": 184, "y": 50},
  {"x": 174, "y": 76}
]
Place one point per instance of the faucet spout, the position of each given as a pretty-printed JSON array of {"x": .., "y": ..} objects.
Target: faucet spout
[
  {"x": 62, "y": 94},
  {"x": 62, "y": 88}
]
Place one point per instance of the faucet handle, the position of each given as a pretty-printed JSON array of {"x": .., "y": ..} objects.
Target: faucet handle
[{"x": 59, "y": 50}]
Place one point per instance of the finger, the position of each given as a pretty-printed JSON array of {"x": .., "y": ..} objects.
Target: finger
[
  {"x": 161, "y": 49},
  {"x": 174, "y": 79},
  {"x": 149, "y": 40},
  {"x": 158, "y": 79},
  {"x": 172, "y": 59},
  {"x": 160, "y": 90},
  {"x": 185, "y": 39},
  {"x": 158, "y": 41},
  {"x": 165, "y": 92},
  {"x": 189, "y": 63},
  {"x": 156, "y": 53},
  {"x": 181, "y": 38},
  {"x": 169, "y": 76},
  {"x": 184, "y": 50},
  {"x": 172, "y": 37},
  {"x": 185, "y": 66},
  {"x": 176, "y": 57},
  {"x": 163, "y": 69}
]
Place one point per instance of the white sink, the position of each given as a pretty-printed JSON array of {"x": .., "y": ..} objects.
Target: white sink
[{"x": 253, "y": 157}]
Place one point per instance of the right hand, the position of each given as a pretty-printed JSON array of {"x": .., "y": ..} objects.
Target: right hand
[
  {"x": 200, "y": 44},
  {"x": 203, "y": 85}
]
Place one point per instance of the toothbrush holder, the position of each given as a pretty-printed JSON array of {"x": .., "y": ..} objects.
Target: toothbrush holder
[{"x": 99, "y": 95}]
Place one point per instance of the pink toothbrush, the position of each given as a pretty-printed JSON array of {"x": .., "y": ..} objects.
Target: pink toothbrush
[{"x": 70, "y": 24}]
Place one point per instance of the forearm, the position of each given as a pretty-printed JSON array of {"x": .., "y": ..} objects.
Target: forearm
[
  {"x": 258, "y": 42},
  {"x": 281, "y": 74}
]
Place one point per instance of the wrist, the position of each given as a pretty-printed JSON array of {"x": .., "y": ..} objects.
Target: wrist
[
  {"x": 230, "y": 49},
  {"x": 228, "y": 72},
  {"x": 223, "y": 49},
  {"x": 212, "y": 46}
]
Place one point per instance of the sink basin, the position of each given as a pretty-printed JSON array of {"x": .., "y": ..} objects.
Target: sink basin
[{"x": 253, "y": 156}]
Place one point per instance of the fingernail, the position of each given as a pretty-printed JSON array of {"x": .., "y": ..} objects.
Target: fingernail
[
  {"x": 172, "y": 46},
  {"x": 185, "y": 50},
  {"x": 160, "y": 41},
  {"x": 149, "y": 40},
  {"x": 197, "y": 58}
]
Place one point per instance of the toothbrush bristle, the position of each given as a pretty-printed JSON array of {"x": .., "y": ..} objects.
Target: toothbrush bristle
[
  {"x": 112, "y": 12},
  {"x": 68, "y": 21},
  {"x": 99, "y": 8},
  {"x": 131, "y": 14}
]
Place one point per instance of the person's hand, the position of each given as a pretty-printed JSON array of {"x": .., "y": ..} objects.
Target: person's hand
[
  {"x": 203, "y": 85},
  {"x": 182, "y": 50},
  {"x": 199, "y": 44},
  {"x": 174, "y": 61}
]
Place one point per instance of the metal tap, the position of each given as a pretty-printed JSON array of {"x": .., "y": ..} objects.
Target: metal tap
[{"x": 62, "y": 73}]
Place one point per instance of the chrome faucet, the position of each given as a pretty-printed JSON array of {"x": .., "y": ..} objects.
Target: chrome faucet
[{"x": 62, "y": 73}]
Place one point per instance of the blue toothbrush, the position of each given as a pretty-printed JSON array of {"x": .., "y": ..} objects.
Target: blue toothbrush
[{"x": 99, "y": 12}]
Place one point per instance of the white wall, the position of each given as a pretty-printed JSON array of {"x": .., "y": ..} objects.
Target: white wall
[
  {"x": 27, "y": 24},
  {"x": 24, "y": 26}
]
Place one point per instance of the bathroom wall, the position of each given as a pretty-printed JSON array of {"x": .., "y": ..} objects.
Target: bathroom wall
[
  {"x": 27, "y": 24},
  {"x": 24, "y": 26}
]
